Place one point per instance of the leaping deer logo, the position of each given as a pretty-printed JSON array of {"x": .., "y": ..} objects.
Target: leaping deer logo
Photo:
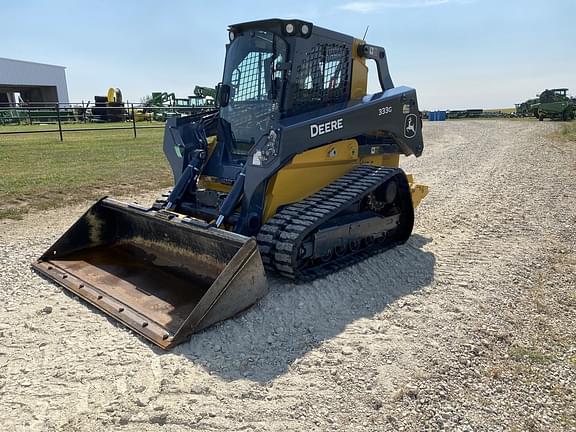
[{"x": 410, "y": 126}]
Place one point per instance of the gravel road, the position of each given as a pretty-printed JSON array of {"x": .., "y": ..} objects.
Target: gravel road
[{"x": 470, "y": 326}]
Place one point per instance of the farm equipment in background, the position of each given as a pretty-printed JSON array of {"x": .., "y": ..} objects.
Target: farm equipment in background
[
  {"x": 161, "y": 106},
  {"x": 525, "y": 109},
  {"x": 109, "y": 108},
  {"x": 467, "y": 113},
  {"x": 207, "y": 95},
  {"x": 16, "y": 109},
  {"x": 456, "y": 114},
  {"x": 10, "y": 116},
  {"x": 522, "y": 110},
  {"x": 155, "y": 107},
  {"x": 297, "y": 172},
  {"x": 474, "y": 113},
  {"x": 32, "y": 114},
  {"x": 554, "y": 104},
  {"x": 160, "y": 99}
]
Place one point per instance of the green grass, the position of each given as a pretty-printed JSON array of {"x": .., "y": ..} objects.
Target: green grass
[
  {"x": 40, "y": 172},
  {"x": 532, "y": 355},
  {"x": 568, "y": 132},
  {"x": 68, "y": 126}
]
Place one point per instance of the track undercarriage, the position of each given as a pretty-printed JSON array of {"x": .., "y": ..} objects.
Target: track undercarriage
[{"x": 362, "y": 213}]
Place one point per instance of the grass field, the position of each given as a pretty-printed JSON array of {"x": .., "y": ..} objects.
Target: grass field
[
  {"x": 568, "y": 132},
  {"x": 40, "y": 172},
  {"x": 70, "y": 126}
]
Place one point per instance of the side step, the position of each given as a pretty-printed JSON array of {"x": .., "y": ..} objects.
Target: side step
[{"x": 163, "y": 276}]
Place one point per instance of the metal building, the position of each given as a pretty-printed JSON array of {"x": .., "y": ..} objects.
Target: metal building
[{"x": 29, "y": 82}]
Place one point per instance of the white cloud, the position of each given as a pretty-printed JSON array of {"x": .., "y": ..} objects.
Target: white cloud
[{"x": 373, "y": 6}]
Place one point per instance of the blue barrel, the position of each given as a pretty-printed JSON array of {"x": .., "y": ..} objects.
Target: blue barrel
[{"x": 437, "y": 115}]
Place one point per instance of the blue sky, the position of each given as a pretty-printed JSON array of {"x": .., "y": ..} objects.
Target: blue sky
[{"x": 456, "y": 53}]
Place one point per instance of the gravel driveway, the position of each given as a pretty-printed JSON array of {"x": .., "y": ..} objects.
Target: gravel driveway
[{"x": 470, "y": 326}]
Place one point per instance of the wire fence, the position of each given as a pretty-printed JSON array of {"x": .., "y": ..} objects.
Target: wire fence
[{"x": 61, "y": 118}]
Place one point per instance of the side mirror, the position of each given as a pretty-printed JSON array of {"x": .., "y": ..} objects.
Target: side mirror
[{"x": 222, "y": 95}]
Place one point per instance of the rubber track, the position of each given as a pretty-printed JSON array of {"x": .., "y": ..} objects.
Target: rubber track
[{"x": 284, "y": 233}]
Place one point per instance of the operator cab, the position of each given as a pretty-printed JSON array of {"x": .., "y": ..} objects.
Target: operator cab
[
  {"x": 278, "y": 69},
  {"x": 252, "y": 86},
  {"x": 554, "y": 95}
]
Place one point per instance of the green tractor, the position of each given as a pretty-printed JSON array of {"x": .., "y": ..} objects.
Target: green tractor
[
  {"x": 524, "y": 109},
  {"x": 554, "y": 104}
]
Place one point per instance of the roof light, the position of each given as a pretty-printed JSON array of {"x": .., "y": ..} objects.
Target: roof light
[
  {"x": 289, "y": 28},
  {"x": 305, "y": 29},
  {"x": 231, "y": 35}
]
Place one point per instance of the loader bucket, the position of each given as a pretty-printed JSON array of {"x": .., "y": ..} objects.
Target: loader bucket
[{"x": 165, "y": 277}]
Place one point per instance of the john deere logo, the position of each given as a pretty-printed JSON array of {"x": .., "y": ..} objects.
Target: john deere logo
[
  {"x": 410, "y": 125},
  {"x": 324, "y": 128}
]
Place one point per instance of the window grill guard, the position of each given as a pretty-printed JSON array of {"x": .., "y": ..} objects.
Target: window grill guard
[
  {"x": 249, "y": 78},
  {"x": 252, "y": 101},
  {"x": 323, "y": 78}
]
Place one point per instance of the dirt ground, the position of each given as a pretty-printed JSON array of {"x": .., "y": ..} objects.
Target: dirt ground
[{"x": 470, "y": 326}]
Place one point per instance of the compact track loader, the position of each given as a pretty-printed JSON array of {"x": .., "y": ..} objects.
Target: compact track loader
[{"x": 296, "y": 172}]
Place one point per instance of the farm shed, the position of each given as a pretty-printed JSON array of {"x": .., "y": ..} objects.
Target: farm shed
[{"x": 29, "y": 82}]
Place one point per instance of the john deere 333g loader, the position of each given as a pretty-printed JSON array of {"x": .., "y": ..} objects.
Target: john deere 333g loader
[{"x": 296, "y": 172}]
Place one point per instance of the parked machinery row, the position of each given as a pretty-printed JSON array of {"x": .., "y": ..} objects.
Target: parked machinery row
[{"x": 554, "y": 104}]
